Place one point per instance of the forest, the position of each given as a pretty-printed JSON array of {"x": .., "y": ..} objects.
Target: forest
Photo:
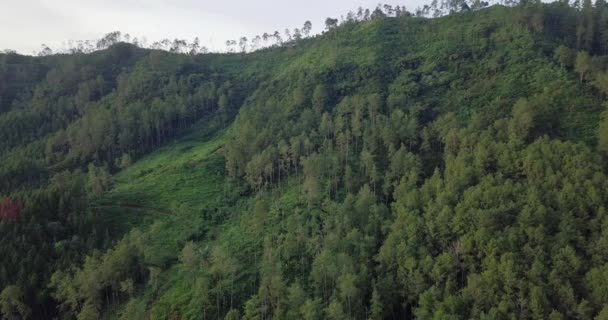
[{"x": 445, "y": 163}]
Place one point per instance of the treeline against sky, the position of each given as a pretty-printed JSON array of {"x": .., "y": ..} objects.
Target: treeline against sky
[{"x": 267, "y": 39}]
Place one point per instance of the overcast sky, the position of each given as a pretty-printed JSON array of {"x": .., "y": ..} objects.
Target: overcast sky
[{"x": 26, "y": 24}]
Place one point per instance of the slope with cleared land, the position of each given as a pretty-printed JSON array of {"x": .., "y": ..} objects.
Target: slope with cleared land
[{"x": 394, "y": 168}]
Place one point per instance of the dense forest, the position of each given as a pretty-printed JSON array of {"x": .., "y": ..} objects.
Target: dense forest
[{"x": 444, "y": 164}]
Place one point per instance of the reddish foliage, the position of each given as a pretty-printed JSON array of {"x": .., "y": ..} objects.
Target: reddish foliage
[{"x": 10, "y": 209}]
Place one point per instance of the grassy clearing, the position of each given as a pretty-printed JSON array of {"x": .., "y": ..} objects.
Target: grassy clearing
[
  {"x": 181, "y": 182},
  {"x": 187, "y": 174}
]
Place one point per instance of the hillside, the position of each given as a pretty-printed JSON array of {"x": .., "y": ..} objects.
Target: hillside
[{"x": 392, "y": 168}]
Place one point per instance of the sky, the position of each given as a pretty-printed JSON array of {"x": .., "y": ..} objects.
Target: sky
[{"x": 26, "y": 24}]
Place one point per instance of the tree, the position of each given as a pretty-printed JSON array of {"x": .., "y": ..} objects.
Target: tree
[
  {"x": 311, "y": 309},
  {"x": 376, "y": 310},
  {"x": 312, "y": 176},
  {"x": 243, "y": 44},
  {"x": 108, "y": 40},
  {"x": 99, "y": 179},
  {"x": 335, "y": 311},
  {"x": 565, "y": 56},
  {"x": 585, "y": 29},
  {"x": 348, "y": 290},
  {"x": 602, "y": 134},
  {"x": 45, "y": 51},
  {"x": 388, "y": 9},
  {"x": 601, "y": 82},
  {"x": 256, "y": 43},
  {"x": 190, "y": 255},
  {"x": 12, "y": 305},
  {"x": 277, "y": 38},
  {"x": 230, "y": 45},
  {"x": 195, "y": 47},
  {"x": 288, "y": 35},
  {"x": 224, "y": 268},
  {"x": 378, "y": 13},
  {"x": 399, "y": 12},
  {"x": 330, "y": 24},
  {"x": 307, "y": 28},
  {"x": 350, "y": 17},
  {"x": 296, "y": 300},
  {"x": 178, "y": 46},
  {"x": 297, "y": 35},
  {"x": 124, "y": 161},
  {"x": 320, "y": 97},
  {"x": 522, "y": 120},
  {"x": 233, "y": 315},
  {"x": 583, "y": 64},
  {"x": 88, "y": 312},
  {"x": 601, "y": 22}
]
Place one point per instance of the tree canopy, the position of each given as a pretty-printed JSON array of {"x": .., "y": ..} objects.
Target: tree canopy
[{"x": 396, "y": 167}]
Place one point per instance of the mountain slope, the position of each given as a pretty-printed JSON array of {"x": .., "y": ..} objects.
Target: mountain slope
[{"x": 396, "y": 168}]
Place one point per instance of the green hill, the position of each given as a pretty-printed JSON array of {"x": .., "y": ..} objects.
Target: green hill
[{"x": 392, "y": 168}]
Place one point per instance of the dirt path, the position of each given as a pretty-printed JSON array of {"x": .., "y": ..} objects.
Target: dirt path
[{"x": 134, "y": 207}]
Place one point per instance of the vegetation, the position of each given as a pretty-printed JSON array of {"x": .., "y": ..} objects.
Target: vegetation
[{"x": 395, "y": 167}]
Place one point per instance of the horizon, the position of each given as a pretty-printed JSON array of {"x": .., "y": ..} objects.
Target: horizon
[{"x": 160, "y": 19}]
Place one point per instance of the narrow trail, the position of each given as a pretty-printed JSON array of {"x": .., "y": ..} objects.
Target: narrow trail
[{"x": 136, "y": 208}]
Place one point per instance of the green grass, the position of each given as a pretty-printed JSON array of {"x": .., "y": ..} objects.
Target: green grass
[
  {"x": 188, "y": 174},
  {"x": 183, "y": 181}
]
